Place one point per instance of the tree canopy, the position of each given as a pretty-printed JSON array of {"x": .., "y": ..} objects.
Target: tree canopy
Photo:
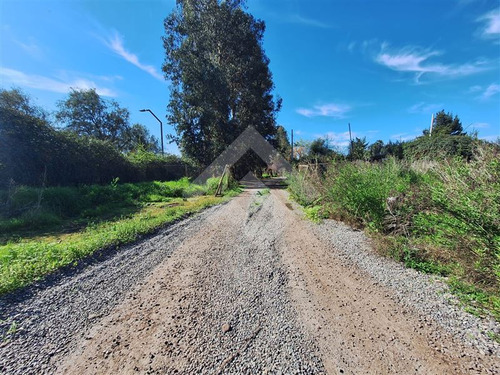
[
  {"x": 84, "y": 112},
  {"x": 357, "y": 151},
  {"x": 220, "y": 76},
  {"x": 446, "y": 124}
]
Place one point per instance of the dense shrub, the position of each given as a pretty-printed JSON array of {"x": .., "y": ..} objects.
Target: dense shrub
[
  {"x": 360, "y": 190},
  {"x": 33, "y": 153},
  {"x": 302, "y": 188},
  {"x": 440, "y": 146}
]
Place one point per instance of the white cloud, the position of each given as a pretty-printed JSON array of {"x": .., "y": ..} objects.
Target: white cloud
[
  {"x": 340, "y": 140},
  {"x": 416, "y": 60},
  {"x": 490, "y": 91},
  {"x": 475, "y": 88},
  {"x": 486, "y": 92},
  {"x": 31, "y": 48},
  {"x": 325, "y": 110},
  {"x": 424, "y": 108},
  {"x": 491, "y": 27},
  {"x": 115, "y": 43},
  {"x": 298, "y": 19},
  {"x": 34, "y": 81}
]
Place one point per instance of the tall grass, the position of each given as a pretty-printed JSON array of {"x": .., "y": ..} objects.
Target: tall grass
[
  {"x": 149, "y": 205},
  {"x": 28, "y": 208},
  {"x": 29, "y": 260},
  {"x": 359, "y": 191},
  {"x": 439, "y": 217},
  {"x": 303, "y": 189}
]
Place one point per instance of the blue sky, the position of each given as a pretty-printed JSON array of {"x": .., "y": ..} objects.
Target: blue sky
[{"x": 383, "y": 66}]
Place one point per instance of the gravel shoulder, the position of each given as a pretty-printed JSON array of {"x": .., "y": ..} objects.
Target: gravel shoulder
[
  {"x": 245, "y": 287},
  {"x": 371, "y": 315},
  {"x": 50, "y": 317}
]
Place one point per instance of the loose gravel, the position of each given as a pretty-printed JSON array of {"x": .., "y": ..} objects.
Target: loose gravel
[
  {"x": 247, "y": 287},
  {"x": 50, "y": 316},
  {"x": 428, "y": 295},
  {"x": 224, "y": 309}
]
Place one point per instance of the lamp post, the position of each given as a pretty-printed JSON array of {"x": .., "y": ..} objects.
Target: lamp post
[{"x": 161, "y": 126}]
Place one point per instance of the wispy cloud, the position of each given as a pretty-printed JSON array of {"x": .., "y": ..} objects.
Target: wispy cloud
[
  {"x": 298, "y": 19},
  {"x": 340, "y": 140},
  {"x": 351, "y": 46},
  {"x": 34, "y": 81},
  {"x": 491, "y": 24},
  {"x": 485, "y": 92},
  {"x": 424, "y": 108},
  {"x": 116, "y": 44},
  {"x": 31, "y": 48},
  {"x": 475, "y": 88},
  {"x": 416, "y": 60},
  {"x": 326, "y": 110},
  {"x": 491, "y": 90}
]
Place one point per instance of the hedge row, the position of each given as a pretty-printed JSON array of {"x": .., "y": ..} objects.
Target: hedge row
[{"x": 34, "y": 153}]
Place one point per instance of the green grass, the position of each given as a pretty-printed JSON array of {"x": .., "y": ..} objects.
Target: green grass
[
  {"x": 443, "y": 217},
  {"x": 315, "y": 213},
  {"x": 260, "y": 196},
  {"x": 26, "y": 259},
  {"x": 30, "y": 211},
  {"x": 264, "y": 192},
  {"x": 477, "y": 301}
]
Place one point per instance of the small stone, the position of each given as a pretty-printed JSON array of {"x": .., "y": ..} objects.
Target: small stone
[{"x": 226, "y": 327}]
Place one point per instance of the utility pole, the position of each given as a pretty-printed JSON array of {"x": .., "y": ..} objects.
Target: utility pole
[
  {"x": 291, "y": 156},
  {"x": 161, "y": 127},
  {"x": 350, "y": 138},
  {"x": 432, "y": 123}
]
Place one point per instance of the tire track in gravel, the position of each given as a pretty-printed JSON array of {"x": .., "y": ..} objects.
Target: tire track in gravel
[{"x": 228, "y": 273}]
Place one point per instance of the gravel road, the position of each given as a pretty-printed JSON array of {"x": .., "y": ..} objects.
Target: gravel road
[{"x": 247, "y": 287}]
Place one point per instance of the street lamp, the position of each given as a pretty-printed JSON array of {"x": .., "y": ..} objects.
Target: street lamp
[{"x": 161, "y": 126}]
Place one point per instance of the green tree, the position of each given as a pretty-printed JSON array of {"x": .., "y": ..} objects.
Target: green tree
[
  {"x": 18, "y": 101},
  {"x": 282, "y": 143},
  {"x": 394, "y": 149},
  {"x": 319, "y": 150},
  {"x": 377, "y": 150},
  {"x": 138, "y": 136},
  {"x": 84, "y": 112},
  {"x": 358, "y": 149},
  {"x": 26, "y": 139},
  {"x": 446, "y": 124},
  {"x": 220, "y": 76}
]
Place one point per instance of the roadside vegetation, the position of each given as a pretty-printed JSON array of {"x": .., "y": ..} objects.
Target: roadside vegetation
[
  {"x": 435, "y": 211},
  {"x": 84, "y": 178},
  {"x": 43, "y": 229}
]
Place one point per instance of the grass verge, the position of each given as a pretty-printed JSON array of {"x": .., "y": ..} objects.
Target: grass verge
[{"x": 23, "y": 261}]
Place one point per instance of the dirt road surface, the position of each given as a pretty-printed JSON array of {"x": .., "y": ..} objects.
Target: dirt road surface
[{"x": 249, "y": 287}]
